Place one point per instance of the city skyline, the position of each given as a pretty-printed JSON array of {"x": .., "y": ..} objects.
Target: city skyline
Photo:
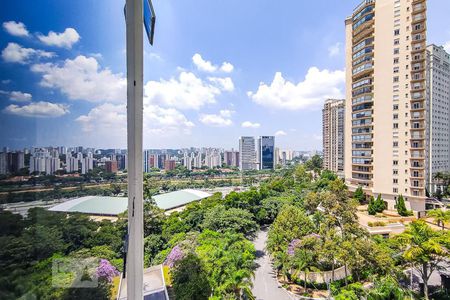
[{"x": 223, "y": 74}]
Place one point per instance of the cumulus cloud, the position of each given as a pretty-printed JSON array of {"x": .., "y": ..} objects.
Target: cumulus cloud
[
  {"x": 225, "y": 84},
  {"x": 83, "y": 79},
  {"x": 41, "y": 109},
  {"x": 64, "y": 39},
  {"x": 108, "y": 121},
  {"x": 309, "y": 93},
  {"x": 280, "y": 133},
  {"x": 334, "y": 50},
  {"x": 222, "y": 119},
  {"x": 185, "y": 92},
  {"x": 207, "y": 66},
  {"x": 17, "y": 96},
  {"x": 15, "y": 28},
  {"x": 447, "y": 47},
  {"x": 14, "y": 53},
  {"x": 248, "y": 124},
  {"x": 6, "y": 81}
]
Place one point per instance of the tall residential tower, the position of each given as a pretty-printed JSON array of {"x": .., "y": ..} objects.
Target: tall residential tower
[
  {"x": 438, "y": 113},
  {"x": 385, "y": 110},
  {"x": 333, "y": 114}
]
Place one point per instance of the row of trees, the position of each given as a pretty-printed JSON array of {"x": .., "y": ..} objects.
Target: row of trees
[
  {"x": 319, "y": 232},
  {"x": 30, "y": 246}
]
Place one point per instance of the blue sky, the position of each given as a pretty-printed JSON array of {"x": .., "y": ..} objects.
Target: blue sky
[{"x": 217, "y": 70}]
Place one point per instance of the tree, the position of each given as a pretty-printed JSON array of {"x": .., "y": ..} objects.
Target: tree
[
  {"x": 440, "y": 216},
  {"x": 115, "y": 188},
  {"x": 401, "y": 207},
  {"x": 425, "y": 249},
  {"x": 359, "y": 195},
  {"x": 228, "y": 259},
  {"x": 236, "y": 220},
  {"x": 376, "y": 206},
  {"x": 291, "y": 223},
  {"x": 189, "y": 279}
]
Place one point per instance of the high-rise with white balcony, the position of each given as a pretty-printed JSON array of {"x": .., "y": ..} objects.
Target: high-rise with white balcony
[
  {"x": 438, "y": 113},
  {"x": 385, "y": 115}
]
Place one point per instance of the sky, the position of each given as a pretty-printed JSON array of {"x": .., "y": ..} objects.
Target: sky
[{"x": 217, "y": 70}]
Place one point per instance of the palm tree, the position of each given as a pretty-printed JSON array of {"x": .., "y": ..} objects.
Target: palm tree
[
  {"x": 424, "y": 248},
  {"x": 240, "y": 283},
  {"x": 440, "y": 216}
]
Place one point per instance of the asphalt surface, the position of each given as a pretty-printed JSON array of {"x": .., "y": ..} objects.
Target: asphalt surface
[{"x": 265, "y": 284}]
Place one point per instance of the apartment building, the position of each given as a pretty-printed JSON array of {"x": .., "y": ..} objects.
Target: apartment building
[
  {"x": 247, "y": 153},
  {"x": 385, "y": 110},
  {"x": 438, "y": 113},
  {"x": 333, "y": 116}
]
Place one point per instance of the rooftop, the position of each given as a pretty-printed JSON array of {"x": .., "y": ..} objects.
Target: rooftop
[{"x": 112, "y": 206}]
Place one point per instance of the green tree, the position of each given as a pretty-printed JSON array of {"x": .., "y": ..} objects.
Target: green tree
[
  {"x": 359, "y": 195},
  {"x": 376, "y": 206},
  {"x": 291, "y": 223},
  {"x": 237, "y": 220},
  {"x": 190, "y": 281},
  {"x": 425, "y": 249},
  {"x": 440, "y": 216}
]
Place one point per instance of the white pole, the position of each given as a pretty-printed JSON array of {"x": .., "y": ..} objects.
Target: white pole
[{"x": 135, "y": 259}]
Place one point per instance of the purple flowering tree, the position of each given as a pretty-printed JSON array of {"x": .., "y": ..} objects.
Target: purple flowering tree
[
  {"x": 175, "y": 255},
  {"x": 106, "y": 271}
]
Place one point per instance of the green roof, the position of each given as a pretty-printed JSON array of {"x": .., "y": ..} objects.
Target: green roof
[
  {"x": 112, "y": 206},
  {"x": 179, "y": 198}
]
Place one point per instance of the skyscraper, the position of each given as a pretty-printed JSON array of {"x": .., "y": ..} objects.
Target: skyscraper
[
  {"x": 333, "y": 113},
  {"x": 247, "y": 154},
  {"x": 266, "y": 153},
  {"x": 438, "y": 113},
  {"x": 385, "y": 101}
]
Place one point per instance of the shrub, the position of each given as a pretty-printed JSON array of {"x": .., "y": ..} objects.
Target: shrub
[
  {"x": 376, "y": 206},
  {"x": 401, "y": 207}
]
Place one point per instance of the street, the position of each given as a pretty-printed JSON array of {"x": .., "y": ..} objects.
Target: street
[{"x": 265, "y": 284}]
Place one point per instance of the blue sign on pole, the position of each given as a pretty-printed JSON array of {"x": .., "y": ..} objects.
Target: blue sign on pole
[{"x": 149, "y": 20}]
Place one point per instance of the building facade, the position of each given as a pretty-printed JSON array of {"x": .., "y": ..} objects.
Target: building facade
[
  {"x": 333, "y": 116},
  {"x": 385, "y": 110},
  {"x": 247, "y": 154},
  {"x": 266, "y": 153},
  {"x": 438, "y": 113}
]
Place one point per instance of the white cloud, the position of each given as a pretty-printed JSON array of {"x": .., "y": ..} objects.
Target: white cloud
[
  {"x": 15, "y": 28},
  {"x": 280, "y": 133},
  {"x": 248, "y": 124},
  {"x": 202, "y": 64},
  {"x": 334, "y": 50},
  {"x": 109, "y": 122},
  {"x": 309, "y": 93},
  {"x": 447, "y": 47},
  {"x": 40, "y": 109},
  {"x": 223, "y": 119},
  {"x": 17, "y": 96},
  {"x": 185, "y": 92},
  {"x": 83, "y": 79},
  {"x": 6, "y": 81},
  {"x": 225, "y": 84},
  {"x": 207, "y": 66},
  {"x": 15, "y": 53},
  {"x": 64, "y": 39},
  {"x": 227, "y": 67}
]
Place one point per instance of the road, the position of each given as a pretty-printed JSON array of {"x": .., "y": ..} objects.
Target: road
[{"x": 265, "y": 284}]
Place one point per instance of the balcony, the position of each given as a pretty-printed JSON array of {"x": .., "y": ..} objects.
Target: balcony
[
  {"x": 419, "y": 18},
  {"x": 420, "y": 7}
]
